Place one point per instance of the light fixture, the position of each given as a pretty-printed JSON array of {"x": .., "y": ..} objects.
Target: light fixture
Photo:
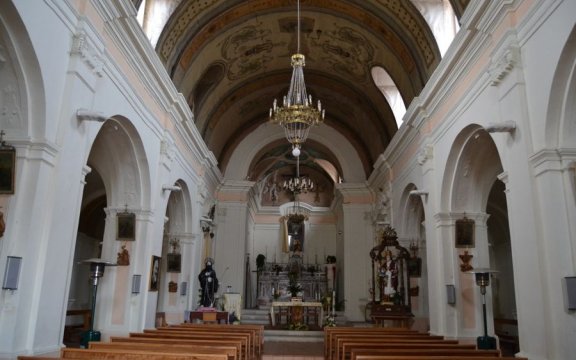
[
  {"x": 482, "y": 277},
  {"x": 298, "y": 184},
  {"x": 97, "y": 267},
  {"x": 296, "y": 114}
]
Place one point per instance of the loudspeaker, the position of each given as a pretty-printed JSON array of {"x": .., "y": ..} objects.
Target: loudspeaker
[
  {"x": 136, "y": 284},
  {"x": 183, "y": 288},
  {"x": 12, "y": 273},
  {"x": 450, "y": 294},
  {"x": 569, "y": 289}
]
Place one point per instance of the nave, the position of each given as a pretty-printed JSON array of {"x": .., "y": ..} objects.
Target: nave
[{"x": 208, "y": 341}]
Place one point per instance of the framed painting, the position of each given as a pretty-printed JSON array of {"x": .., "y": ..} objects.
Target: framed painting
[
  {"x": 173, "y": 264},
  {"x": 415, "y": 267},
  {"x": 126, "y": 226},
  {"x": 7, "y": 168},
  {"x": 155, "y": 273},
  {"x": 464, "y": 233}
]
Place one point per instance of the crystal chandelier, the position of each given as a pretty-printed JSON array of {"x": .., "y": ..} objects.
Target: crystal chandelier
[{"x": 297, "y": 115}]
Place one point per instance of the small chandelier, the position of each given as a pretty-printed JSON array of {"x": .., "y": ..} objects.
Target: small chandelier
[
  {"x": 296, "y": 115},
  {"x": 299, "y": 184}
]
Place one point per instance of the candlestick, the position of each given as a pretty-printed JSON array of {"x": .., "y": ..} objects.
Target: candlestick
[{"x": 333, "y": 302}]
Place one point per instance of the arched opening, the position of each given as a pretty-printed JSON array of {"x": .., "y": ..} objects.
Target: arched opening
[
  {"x": 110, "y": 227},
  {"x": 475, "y": 197}
]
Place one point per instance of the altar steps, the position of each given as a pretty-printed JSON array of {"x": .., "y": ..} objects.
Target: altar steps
[
  {"x": 262, "y": 317},
  {"x": 255, "y": 317},
  {"x": 271, "y": 336}
]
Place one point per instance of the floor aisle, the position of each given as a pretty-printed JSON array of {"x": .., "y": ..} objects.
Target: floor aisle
[{"x": 288, "y": 350}]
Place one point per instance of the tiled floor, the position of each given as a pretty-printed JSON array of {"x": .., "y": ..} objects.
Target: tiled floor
[{"x": 286, "y": 350}]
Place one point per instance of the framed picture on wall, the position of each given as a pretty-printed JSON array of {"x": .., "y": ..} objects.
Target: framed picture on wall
[
  {"x": 173, "y": 264},
  {"x": 464, "y": 233},
  {"x": 155, "y": 273},
  {"x": 415, "y": 267},
  {"x": 7, "y": 167},
  {"x": 126, "y": 230}
]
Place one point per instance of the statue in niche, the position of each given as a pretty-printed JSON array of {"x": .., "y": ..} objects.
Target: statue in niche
[{"x": 388, "y": 275}]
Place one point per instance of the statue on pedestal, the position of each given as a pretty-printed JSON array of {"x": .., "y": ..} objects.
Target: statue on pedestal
[{"x": 208, "y": 284}]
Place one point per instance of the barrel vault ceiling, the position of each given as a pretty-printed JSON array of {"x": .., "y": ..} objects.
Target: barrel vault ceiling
[{"x": 231, "y": 59}]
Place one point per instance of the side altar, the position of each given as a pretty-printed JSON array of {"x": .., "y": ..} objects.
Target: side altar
[
  {"x": 390, "y": 282},
  {"x": 274, "y": 281}
]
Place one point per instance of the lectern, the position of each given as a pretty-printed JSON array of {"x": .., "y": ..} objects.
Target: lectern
[{"x": 97, "y": 267}]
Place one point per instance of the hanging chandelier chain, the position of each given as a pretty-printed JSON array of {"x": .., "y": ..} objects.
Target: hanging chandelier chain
[
  {"x": 296, "y": 113},
  {"x": 298, "y": 27}
]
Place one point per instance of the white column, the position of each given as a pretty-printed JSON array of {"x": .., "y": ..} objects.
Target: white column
[{"x": 357, "y": 237}]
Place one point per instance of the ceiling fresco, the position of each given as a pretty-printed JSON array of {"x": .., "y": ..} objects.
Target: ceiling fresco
[{"x": 231, "y": 59}]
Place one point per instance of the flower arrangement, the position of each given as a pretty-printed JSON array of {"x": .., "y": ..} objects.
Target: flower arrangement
[{"x": 329, "y": 321}]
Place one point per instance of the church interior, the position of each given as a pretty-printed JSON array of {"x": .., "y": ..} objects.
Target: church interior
[{"x": 299, "y": 165}]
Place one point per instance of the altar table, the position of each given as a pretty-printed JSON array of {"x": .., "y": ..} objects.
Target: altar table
[
  {"x": 295, "y": 303},
  {"x": 209, "y": 316}
]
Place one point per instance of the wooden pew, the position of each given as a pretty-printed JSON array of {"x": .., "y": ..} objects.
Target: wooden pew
[
  {"x": 425, "y": 357},
  {"x": 69, "y": 353},
  {"x": 211, "y": 334},
  {"x": 418, "y": 351},
  {"x": 330, "y": 332},
  {"x": 365, "y": 336},
  {"x": 229, "y": 351},
  {"x": 346, "y": 343},
  {"x": 257, "y": 330},
  {"x": 237, "y": 344}
]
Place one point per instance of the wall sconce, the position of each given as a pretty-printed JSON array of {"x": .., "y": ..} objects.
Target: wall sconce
[
  {"x": 97, "y": 267},
  {"x": 171, "y": 188},
  {"x": 422, "y": 193},
  {"x": 88, "y": 115},
  {"x": 505, "y": 126},
  {"x": 482, "y": 277}
]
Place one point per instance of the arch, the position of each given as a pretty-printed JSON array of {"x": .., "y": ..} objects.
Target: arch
[
  {"x": 22, "y": 94},
  {"x": 472, "y": 167},
  {"x": 387, "y": 86},
  {"x": 240, "y": 161},
  {"x": 561, "y": 115},
  {"x": 119, "y": 156}
]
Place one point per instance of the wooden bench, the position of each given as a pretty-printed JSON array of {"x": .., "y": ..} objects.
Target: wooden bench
[
  {"x": 330, "y": 332},
  {"x": 208, "y": 334},
  {"x": 237, "y": 344},
  {"x": 256, "y": 331},
  {"x": 425, "y": 357},
  {"x": 343, "y": 344},
  {"x": 418, "y": 351},
  {"x": 229, "y": 351},
  {"x": 69, "y": 353}
]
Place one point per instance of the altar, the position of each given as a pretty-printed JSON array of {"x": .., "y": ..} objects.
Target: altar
[
  {"x": 273, "y": 284},
  {"x": 302, "y": 304}
]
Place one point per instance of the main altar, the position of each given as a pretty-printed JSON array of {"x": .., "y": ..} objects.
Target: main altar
[{"x": 274, "y": 281}]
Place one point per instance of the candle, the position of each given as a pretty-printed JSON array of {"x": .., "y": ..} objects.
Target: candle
[
  {"x": 333, "y": 302},
  {"x": 274, "y": 257}
]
